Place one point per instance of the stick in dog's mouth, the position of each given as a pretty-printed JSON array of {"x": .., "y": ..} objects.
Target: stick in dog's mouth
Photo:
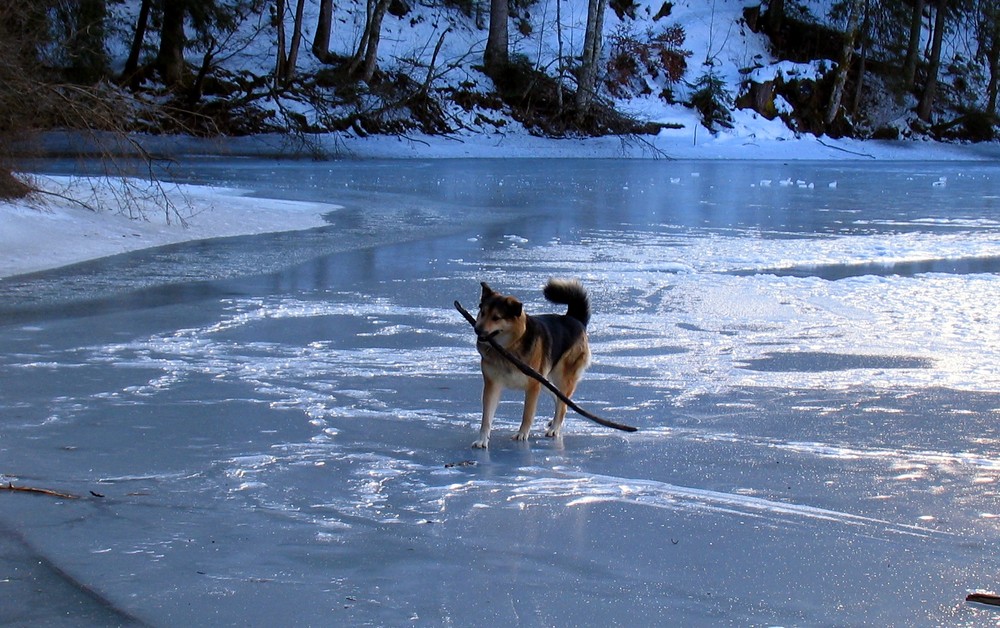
[{"x": 530, "y": 372}]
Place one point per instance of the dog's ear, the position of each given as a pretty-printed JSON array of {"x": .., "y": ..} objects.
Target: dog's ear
[
  {"x": 487, "y": 291},
  {"x": 513, "y": 308}
]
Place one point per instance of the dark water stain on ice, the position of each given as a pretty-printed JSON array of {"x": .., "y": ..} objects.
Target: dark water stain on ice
[
  {"x": 835, "y": 272},
  {"x": 44, "y": 591},
  {"x": 819, "y": 361}
]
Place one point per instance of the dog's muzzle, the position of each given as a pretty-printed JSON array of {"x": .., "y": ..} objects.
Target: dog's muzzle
[{"x": 480, "y": 337}]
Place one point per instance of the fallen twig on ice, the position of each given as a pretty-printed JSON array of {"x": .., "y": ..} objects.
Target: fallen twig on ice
[{"x": 38, "y": 491}]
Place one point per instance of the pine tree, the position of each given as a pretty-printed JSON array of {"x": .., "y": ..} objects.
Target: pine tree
[{"x": 86, "y": 43}]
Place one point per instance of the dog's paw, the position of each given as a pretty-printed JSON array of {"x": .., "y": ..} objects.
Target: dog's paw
[
  {"x": 552, "y": 433},
  {"x": 520, "y": 436},
  {"x": 481, "y": 443}
]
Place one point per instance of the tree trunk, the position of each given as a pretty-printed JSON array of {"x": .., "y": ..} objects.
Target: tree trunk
[
  {"x": 132, "y": 63},
  {"x": 281, "y": 60},
  {"x": 293, "y": 49},
  {"x": 775, "y": 14},
  {"x": 559, "y": 52},
  {"x": 425, "y": 88},
  {"x": 198, "y": 88},
  {"x": 992, "y": 88},
  {"x": 774, "y": 23},
  {"x": 365, "y": 59},
  {"x": 324, "y": 27},
  {"x": 374, "y": 35},
  {"x": 846, "y": 54},
  {"x": 865, "y": 36},
  {"x": 170, "y": 58},
  {"x": 930, "y": 88},
  {"x": 587, "y": 81},
  {"x": 913, "y": 44},
  {"x": 358, "y": 57},
  {"x": 496, "y": 55},
  {"x": 994, "y": 60}
]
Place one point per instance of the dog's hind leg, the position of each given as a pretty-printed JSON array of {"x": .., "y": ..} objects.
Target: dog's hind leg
[
  {"x": 530, "y": 403},
  {"x": 491, "y": 398},
  {"x": 555, "y": 425}
]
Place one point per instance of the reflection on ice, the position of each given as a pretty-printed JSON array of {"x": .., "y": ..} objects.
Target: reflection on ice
[{"x": 591, "y": 489}]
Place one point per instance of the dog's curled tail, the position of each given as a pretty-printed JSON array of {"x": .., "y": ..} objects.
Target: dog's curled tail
[{"x": 569, "y": 292}]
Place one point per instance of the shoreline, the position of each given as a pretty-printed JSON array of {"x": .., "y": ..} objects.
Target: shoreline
[{"x": 765, "y": 143}]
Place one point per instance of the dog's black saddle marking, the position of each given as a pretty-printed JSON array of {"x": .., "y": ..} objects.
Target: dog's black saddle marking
[{"x": 560, "y": 331}]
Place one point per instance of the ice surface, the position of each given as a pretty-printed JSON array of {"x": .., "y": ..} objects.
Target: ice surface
[{"x": 812, "y": 369}]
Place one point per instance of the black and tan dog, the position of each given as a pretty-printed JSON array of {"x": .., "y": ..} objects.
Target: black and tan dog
[{"x": 555, "y": 345}]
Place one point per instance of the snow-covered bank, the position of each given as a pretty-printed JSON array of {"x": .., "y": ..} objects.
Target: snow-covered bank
[
  {"x": 759, "y": 140},
  {"x": 762, "y": 141},
  {"x": 79, "y": 219}
]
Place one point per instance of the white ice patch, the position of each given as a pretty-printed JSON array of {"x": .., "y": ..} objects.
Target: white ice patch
[
  {"x": 320, "y": 378},
  {"x": 696, "y": 311}
]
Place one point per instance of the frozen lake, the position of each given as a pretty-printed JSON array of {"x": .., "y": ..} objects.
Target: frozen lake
[{"x": 276, "y": 429}]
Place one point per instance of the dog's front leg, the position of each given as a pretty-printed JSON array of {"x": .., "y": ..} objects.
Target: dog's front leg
[
  {"x": 530, "y": 403},
  {"x": 491, "y": 398}
]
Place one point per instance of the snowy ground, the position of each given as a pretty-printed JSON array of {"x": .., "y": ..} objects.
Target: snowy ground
[
  {"x": 806, "y": 348},
  {"x": 83, "y": 218}
]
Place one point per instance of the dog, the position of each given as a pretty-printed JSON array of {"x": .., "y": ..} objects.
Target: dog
[{"x": 555, "y": 345}]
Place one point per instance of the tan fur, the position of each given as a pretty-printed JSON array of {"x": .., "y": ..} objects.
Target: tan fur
[{"x": 503, "y": 318}]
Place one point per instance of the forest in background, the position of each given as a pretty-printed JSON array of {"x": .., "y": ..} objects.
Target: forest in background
[{"x": 556, "y": 67}]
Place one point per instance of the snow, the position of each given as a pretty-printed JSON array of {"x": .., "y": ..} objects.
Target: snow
[
  {"x": 76, "y": 219},
  {"x": 716, "y": 35}
]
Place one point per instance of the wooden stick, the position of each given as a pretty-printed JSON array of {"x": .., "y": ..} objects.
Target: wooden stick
[
  {"x": 38, "y": 491},
  {"x": 530, "y": 372},
  {"x": 984, "y": 598}
]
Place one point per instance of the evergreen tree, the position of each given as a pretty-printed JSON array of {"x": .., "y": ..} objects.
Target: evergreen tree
[{"x": 86, "y": 41}]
